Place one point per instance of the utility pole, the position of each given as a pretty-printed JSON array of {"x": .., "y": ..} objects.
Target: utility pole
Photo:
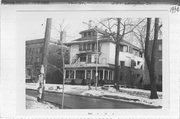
[
  {"x": 45, "y": 51},
  {"x": 97, "y": 61}
]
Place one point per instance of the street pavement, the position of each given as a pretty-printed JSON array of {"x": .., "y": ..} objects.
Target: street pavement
[{"x": 85, "y": 102}]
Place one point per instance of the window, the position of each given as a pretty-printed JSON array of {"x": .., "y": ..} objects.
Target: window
[
  {"x": 33, "y": 51},
  {"x": 83, "y": 59},
  {"x": 140, "y": 54},
  {"x": 80, "y": 74},
  {"x": 160, "y": 47},
  {"x": 122, "y": 63},
  {"x": 96, "y": 59},
  {"x": 93, "y": 46},
  {"x": 135, "y": 52},
  {"x": 84, "y": 47},
  {"x": 88, "y": 47},
  {"x": 71, "y": 74},
  {"x": 80, "y": 47},
  {"x": 89, "y": 59},
  {"x": 30, "y": 51},
  {"x": 31, "y": 61},
  {"x": 88, "y": 74},
  {"x": 85, "y": 34},
  {"x": 41, "y": 49},
  {"x": 67, "y": 73},
  {"x": 38, "y": 50},
  {"x": 89, "y": 33},
  {"x": 121, "y": 48},
  {"x": 130, "y": 50},
  {"x": 125, "y": 48},
  {"x": 37, "y": 59}
]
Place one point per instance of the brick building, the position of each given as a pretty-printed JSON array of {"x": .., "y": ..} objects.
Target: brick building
[{"x": 34, "y": 55}]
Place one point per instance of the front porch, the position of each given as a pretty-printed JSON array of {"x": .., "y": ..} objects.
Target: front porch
[{"x": 89, "y": 73}]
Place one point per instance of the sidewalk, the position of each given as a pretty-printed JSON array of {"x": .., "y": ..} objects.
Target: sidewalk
[
  {"x": 125, "y": 94},
  {"x": 31, "y": 103}
]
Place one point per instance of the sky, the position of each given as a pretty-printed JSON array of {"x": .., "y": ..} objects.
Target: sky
[{"x": 32, "y": 26}]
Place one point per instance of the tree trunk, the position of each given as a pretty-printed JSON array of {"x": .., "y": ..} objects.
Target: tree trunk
[
  {"x": 150, "y": 60},
  {"x": 117, "y": 73},
  {"x": 153, "y": 62}
]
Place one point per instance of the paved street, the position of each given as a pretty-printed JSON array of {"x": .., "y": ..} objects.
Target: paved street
[{"x": 83, "y": 102}]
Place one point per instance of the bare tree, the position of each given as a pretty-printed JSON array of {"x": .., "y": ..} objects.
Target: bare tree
[
  {"x": 117, "y": 29},
  {"x": 144, "y": 36}
]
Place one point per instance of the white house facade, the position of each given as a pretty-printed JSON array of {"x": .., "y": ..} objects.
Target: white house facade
[{"x": 85, "y": 59}]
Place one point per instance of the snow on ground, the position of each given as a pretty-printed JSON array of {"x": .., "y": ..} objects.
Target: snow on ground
[
  {"x": 31, "y": 103},
  {"x": 125, "y": 94}
]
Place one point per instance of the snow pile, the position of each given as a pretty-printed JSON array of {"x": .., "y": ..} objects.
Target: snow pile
[
  {"x": 113, "y": 94},
  {"x": 93, "y": 93},
  {"x": 31, "y": 103},
  {"x": 139, "y": 92}
]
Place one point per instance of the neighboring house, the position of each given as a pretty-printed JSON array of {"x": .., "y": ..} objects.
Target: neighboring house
[
  {"x": 34, "y": 55},
  {"x": 158, "y": 63},
  {"x": 83, "y": 59}
]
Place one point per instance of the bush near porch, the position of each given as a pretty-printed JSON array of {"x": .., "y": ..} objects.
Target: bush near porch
[{"x": 85, "y": 82}]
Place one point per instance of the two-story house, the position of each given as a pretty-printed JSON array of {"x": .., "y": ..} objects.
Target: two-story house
[{"x": 84, "y": 58}]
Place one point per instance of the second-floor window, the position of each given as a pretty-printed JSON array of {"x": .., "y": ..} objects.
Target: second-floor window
[
  {"x": 84, "y": 47},
  {"x": 88, "y": 47},
  {"x": 125, "y": 48},
  {"x": 82, "y": 58},
  {"x": 89, "y": 59}
]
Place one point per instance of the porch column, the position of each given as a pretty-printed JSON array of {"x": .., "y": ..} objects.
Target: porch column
[
  {"x": 103, "y": 73},
  {"x": 64, "y": 74},
  {"x": 74, "y": 74},
  {"x": 91, "y": 73},
  {"x": 108, "y": 75},
  {"x": 85, "y": 73},
  {"x": 112, "y": 75}
]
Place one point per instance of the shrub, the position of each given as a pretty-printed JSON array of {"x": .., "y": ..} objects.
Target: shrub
[
  {"x": 92, "y": 82},
  {"x": 73, "y": 82},
  {"x": 83, "y": 82}
]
